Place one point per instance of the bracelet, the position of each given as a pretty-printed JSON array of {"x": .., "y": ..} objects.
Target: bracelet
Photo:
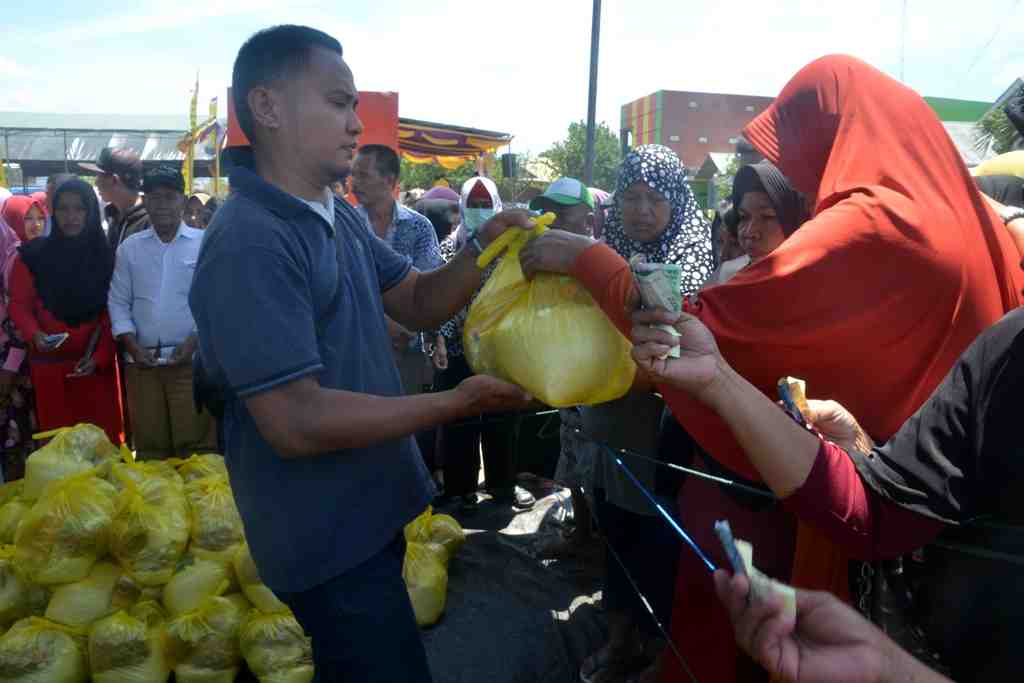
[{"x": 1011, "y": 214}]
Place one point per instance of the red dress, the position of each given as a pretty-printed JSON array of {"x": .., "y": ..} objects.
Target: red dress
[{"x": 62, "y": 401}]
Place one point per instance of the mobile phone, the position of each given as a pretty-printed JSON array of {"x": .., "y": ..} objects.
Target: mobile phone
[
  {"x": 791, "y": 393},
  {"x": 724, "y": 533},
  {"x": 55, "y": 341}
]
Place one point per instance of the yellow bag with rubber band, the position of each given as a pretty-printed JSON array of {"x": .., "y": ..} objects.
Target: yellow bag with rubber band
[
  {"x": 66, "y": 531},
  {"x": 39, "y": 651},
  {"x": 276, "y": 648},
  {"x": 547, "y": 335},
  {"x": 71, "y": 451},
  {"x": 130, "y": 646}
]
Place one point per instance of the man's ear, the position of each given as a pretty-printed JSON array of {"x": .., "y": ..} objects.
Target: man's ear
[{"x": 265, "y": 105}]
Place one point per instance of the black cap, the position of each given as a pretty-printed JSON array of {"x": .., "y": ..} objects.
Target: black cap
[
  {"x": 123, "y": 162},
  {"x": 164, "y": 176}
]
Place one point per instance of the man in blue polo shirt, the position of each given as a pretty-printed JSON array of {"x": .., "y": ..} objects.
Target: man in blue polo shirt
[{"x": 289, "y": 297}]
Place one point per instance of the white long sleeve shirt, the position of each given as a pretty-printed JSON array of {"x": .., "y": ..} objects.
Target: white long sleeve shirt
[{"x": 149, "y": 292}]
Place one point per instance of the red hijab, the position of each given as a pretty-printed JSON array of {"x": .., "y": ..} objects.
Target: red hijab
[
  {"x": 14, "y": 211},
  {"x": 871, "y": 301}
]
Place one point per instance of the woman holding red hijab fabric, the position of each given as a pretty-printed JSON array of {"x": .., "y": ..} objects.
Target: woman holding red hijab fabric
[{"x": 900, "y": 267}]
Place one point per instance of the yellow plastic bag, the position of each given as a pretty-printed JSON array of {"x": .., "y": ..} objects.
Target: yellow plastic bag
[
  {"x": 276, "y": 648},
  {"x": 151, "y": 522},
  {"x": 130, "y": 647},
  {"x": 39, "y": 651},
  {"x": 252, "y": 585},
  {"x": 442, "y": 531},
  {"x": 546, "y": 335},
  {"x": 194, "y": 581},
  {"x": 203, "y": 465},
  {"x": 10, "y": 516},
  {"x": 19, "y": 597},
  {"x": 66, "y": 531},
  {"x": 83, "y": 602},
  {"x": 203, "y": 644},
  {"x": 1010, "y": 163},
  {"x": 11, "y": 490},
  {"x": 71, "y": 451},
  {"x": 426, "y": 579},
  {"x": 216, "y": 524}
]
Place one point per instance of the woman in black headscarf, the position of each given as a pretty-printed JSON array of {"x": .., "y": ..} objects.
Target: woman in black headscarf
[
  {"x": 59, "y": 288},
  {"x": 770, "y": 210}
]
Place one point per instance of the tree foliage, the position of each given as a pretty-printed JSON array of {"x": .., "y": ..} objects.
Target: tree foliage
[{"x": 565, "y": 158}]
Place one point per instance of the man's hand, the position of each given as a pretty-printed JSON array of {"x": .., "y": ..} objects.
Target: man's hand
[
  {"x": 400, "y": 337},
  {"x": 182, "y": 354},
  {"x": 84, "y": 368},
  {"x": 483, "y": 394},
  {"x": 553, "y": 252},
  {"x": 497, "y": 225},
  {"x": 839, "y": 426},
  {"x": 440, "y": 355},
  {"x": 699, "y": 364},
  {"x": 828, "y": 642},
  {"x": 143, "y": 357}
]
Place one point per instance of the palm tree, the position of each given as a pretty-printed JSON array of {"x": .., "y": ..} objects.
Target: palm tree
[{"x": 996, "y": 131}]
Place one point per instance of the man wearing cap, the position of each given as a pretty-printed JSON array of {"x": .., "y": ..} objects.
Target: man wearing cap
[
  {"x": 119, "y": 180},
  {"x": 150, "y": 316},
  {"x": 573, "y": 206}
]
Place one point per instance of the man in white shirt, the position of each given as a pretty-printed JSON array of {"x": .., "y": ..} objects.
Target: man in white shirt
[{"x": 150, "y": 315}]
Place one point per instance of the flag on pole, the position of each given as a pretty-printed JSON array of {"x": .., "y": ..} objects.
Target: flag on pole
[
  {"x": 191, "y": 151},
  {"x": 216, "y": 148}
]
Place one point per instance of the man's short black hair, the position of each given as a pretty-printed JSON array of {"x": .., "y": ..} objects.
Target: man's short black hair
[
  {"x": 269, "y": 55},
  {"x": 386, "y": 160}
]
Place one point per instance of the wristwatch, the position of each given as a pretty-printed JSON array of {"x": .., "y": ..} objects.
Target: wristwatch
[{"x": 1010, "y": 214}]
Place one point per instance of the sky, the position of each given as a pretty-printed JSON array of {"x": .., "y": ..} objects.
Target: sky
[{"x": 520, "y": 67}]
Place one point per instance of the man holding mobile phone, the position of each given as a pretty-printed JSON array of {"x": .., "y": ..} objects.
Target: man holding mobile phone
[{"x": 150, "y": 316}]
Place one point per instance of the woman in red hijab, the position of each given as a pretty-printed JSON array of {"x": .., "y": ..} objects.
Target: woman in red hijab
[
  {"x": 871, "y": 301},
  {"x": 26, "y": 216}
]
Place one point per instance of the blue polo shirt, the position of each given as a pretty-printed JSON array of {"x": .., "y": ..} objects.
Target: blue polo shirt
[{"x": 265, "y": 278}]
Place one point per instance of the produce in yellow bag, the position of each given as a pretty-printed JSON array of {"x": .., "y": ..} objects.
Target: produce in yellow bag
[
  {"x": 83, "y": 602},
  {"x": 438, "y": 530},
  {"x": 10, "y": 516},
  {"x": 39, "y": 651},
  {"x": 66, "y": 531},
  {"x": 128, "y": 591},
  {"x": 276, "y": 648},
  {"x": 11, "y": 490},
  {"x": 151, "y": 521},
  {"x": 19, "y": 597},
  {"x": 193, "y": 582},
  {"x": 72, "y": 450},
  {"x": 130, "y": 647},
  {"x": 201, "y": 466},
  {"x": 203, "y": 644},
  {"x": 448, "y": 533},
  {"x": 252, "y": 585},
  {"x": 546, "y": 335},
  {"x": 426, "y": 579},
  {"x": 216, "y": 524}
]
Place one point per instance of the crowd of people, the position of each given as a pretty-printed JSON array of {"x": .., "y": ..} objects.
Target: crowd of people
[{"x": 324, "y": 340}]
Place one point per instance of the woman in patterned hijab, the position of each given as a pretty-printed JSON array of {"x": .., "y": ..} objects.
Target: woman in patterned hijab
[{"x": 655, "y": 214}]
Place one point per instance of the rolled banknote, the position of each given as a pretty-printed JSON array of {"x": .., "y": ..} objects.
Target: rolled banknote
[{"x": 659, "y": 285}]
